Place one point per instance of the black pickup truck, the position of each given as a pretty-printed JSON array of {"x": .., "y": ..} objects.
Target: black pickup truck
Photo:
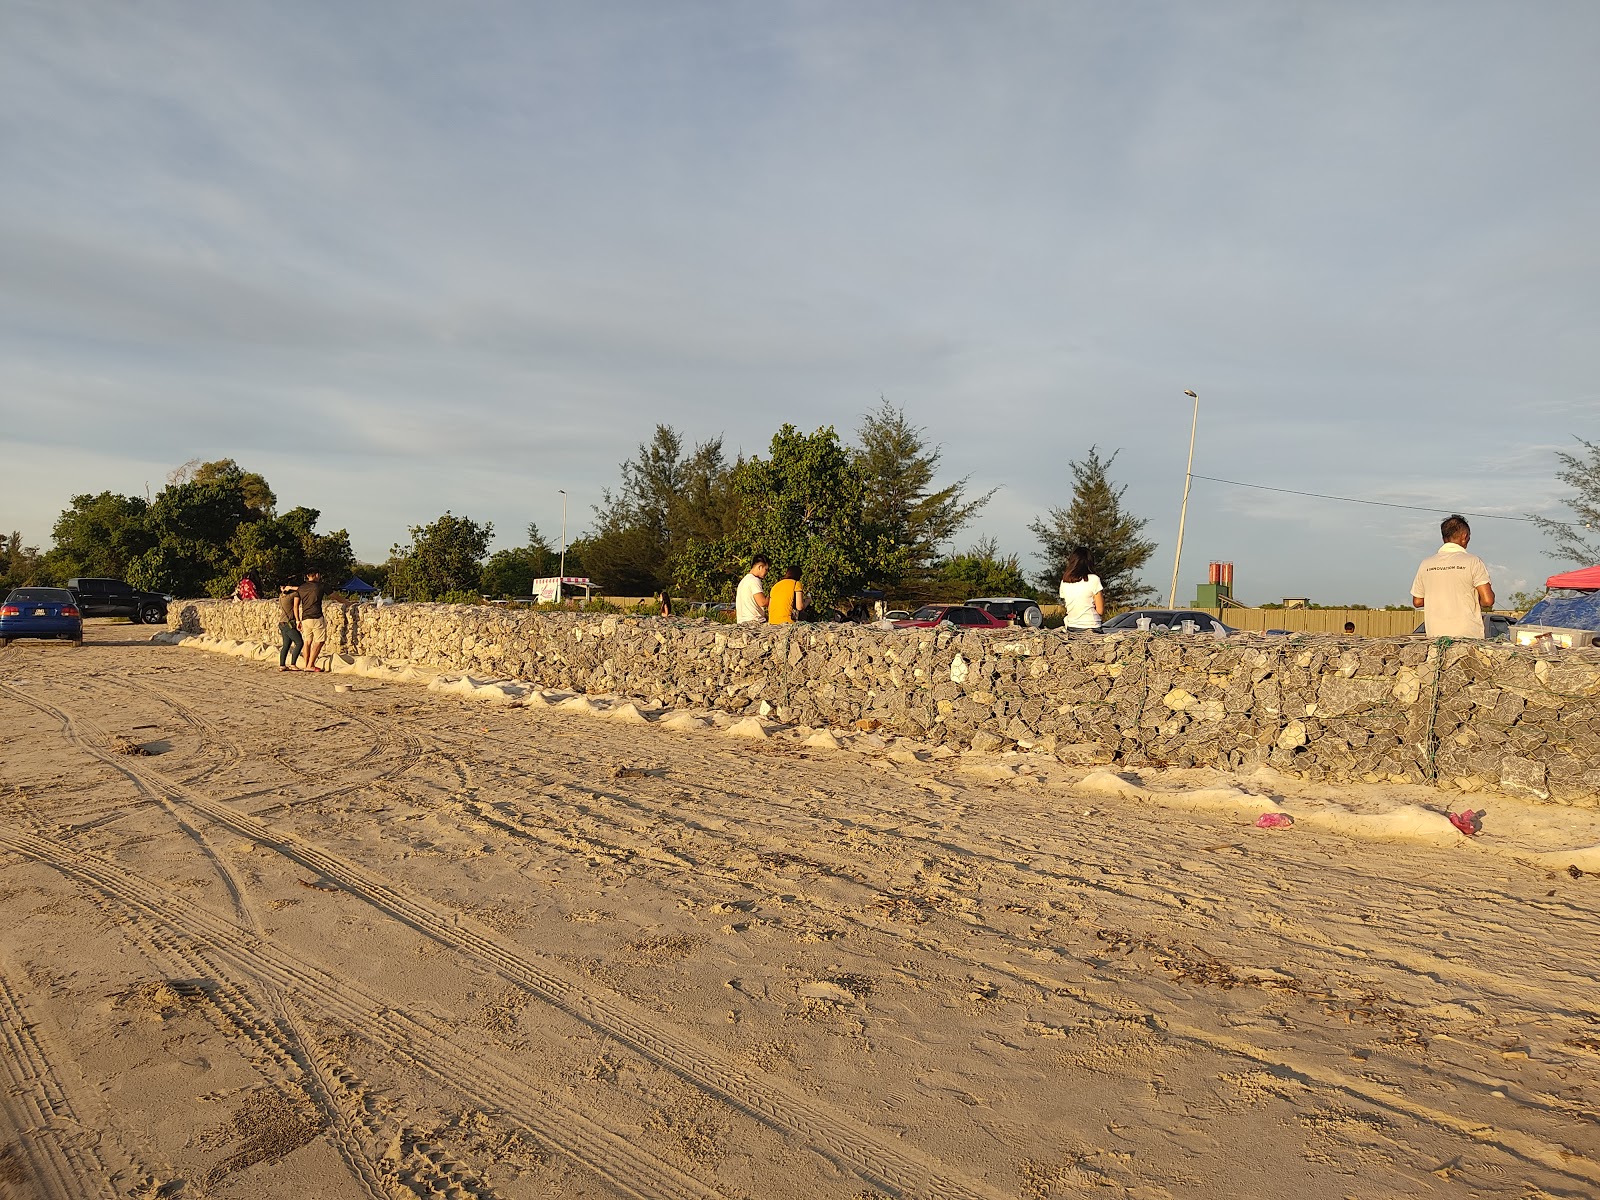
[{"x": 114, "y": 598}]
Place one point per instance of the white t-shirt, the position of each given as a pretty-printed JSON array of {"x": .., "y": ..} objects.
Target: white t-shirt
[
  {"x": 745, "y": 609},
  {"x": 1079, "y": 599},
  {"x": 1448, "y": 584}
]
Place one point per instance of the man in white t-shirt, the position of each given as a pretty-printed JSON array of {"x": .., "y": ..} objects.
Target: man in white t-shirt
[
  {"x": 751, "y": 601},
  {"x": 1452, "y": 588}
]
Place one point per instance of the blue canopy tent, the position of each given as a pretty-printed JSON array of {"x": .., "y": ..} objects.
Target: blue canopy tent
[
  {"x": 1573, "y": 604},
  {"x": 359, "y": 586}
]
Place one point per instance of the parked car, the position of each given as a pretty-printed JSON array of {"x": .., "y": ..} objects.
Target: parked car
[
  {"x": 1496, "y": 627},
  {"x": 41, "y": 612},
  {"x": 1167, "y": 620},
  {"x": 101, "y": 597},
  {"x": 897, "y": 614},
  {"x": 930, "y": 616},
  {"x": 1018, "y": 610}
]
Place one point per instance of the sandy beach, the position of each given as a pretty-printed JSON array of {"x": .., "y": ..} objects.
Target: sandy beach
[{"x": 294, "y": 935}]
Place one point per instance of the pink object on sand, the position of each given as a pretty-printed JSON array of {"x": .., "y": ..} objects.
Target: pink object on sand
[
  {"x": 1274, "y": 821},
  {"x": 1466, "y": 822}
]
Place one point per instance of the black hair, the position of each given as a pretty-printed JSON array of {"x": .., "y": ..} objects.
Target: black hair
[
  {"x": 761, "y": 560},
  {"x": 791, "y": 573},
  {"x": 1452, "y": 525},
  {"x": 1079, "y": 566}
]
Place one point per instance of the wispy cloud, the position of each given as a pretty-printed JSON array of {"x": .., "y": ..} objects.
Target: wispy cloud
[{"x": 482, "y": 251}]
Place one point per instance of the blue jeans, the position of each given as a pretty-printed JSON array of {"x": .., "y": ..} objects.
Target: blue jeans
[{"x": 292, "y": 642}]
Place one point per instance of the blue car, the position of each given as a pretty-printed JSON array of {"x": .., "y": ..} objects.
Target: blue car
[{"x": 41, "y": 612}]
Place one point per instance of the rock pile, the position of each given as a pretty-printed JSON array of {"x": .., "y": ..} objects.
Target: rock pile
[{"x": 1472, "y": 715}]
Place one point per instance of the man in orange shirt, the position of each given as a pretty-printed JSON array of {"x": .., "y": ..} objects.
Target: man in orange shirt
[{"x": 787, "y": 599}]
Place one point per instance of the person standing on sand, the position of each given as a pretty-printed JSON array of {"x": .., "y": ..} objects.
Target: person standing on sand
[
  {"x": 290, "y": 641},
  {"x": 312, "y": 627},
  {"x": 787, "y": 599},
  {"x": 1452, "y": 588},
  {"x": 750, "y": 602},
  {"x": 1081, "y": 592}
]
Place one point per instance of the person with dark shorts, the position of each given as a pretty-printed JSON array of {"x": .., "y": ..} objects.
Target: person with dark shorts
[
  {"x": 290, "y": 641},
  {"x": 312, "y": 627}
]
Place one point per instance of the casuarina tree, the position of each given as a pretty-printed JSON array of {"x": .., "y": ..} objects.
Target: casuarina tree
[
  {"x": 1582, "y": 474},
  {"x": 900, "y": 499},
  {"x": 1096, "y": 519},
  {"x": 803, "y": 506},
  {"x": 443, "y": 557}
]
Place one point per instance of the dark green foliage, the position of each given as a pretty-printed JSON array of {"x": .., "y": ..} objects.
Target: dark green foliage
[
  {"x": 1096, "y": 519},
  {"x": 23, "y": 566},
  {"x": 981, "y": 571},
  {"x": 899, "y": 500},
  {"x": 804, "y": 507},
  {"x": 1582, "y": 474},
  {"x": 665, "y": 500},
  {"x": 282, "y": 549},
  {"x": 193, "y": 527},
  {"x": 511, "y": 572},
  {"x": 100, "y": 536},
  {"x": 443, "y": 557}
]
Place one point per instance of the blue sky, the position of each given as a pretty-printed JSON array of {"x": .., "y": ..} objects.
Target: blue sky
[{"x": 403, "y": 258}]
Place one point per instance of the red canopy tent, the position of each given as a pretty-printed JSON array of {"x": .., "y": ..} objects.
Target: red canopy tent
[{"x": 1584, "y": 577}]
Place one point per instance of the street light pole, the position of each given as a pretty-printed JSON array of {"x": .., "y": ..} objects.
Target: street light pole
[
  {"x": 1183, "y": 515},
  {"x": 561, "y": 580}
]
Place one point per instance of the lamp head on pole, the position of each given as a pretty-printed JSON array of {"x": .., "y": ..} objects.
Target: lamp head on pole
[{"x": 1190, "y": 394}]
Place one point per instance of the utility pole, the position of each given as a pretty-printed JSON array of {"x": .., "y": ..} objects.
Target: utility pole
[
  {"x": 561, "y": 581},
  {"x": 1183, "y": 515}
]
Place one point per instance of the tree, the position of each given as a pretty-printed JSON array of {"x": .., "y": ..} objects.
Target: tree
[
  {"x": 22, "y": 566},
  {"x": 100, "y": 535},
  {"x": 194, "y": 529},
  {"x": 443, "y": 557},
  {"x": 804, "y": 507},
  {"x": 281, "y": 549},
  {"x": 897, "y": 470},
  {"x": 665, "y": 499},
  {"x": 1096, "y": 519},
  {"x": 511, "y": 572},
  {"x": 1582, "y": 474},
  {"x": 982, "y": 571}
]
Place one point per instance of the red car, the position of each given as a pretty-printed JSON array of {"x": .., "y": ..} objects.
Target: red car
[{"x": 964, "y": 616}]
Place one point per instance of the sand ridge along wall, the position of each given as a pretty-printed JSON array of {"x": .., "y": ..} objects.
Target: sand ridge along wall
[{"x": 1470, "y": 715}]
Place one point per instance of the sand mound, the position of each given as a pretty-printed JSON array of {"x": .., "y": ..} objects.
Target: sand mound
[
  {"x": 684, "y": 722},
  {"x": 1109, "y": 783},
  {"x": 750, "y": 727}
]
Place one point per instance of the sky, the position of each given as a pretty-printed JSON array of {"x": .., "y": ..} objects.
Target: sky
[{"x": 403, "y": 258}]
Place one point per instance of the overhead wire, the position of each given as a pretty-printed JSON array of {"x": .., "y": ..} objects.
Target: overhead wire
[{"x": 1261, "y": 487}]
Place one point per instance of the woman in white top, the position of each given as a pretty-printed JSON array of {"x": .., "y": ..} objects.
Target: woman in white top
[{"x": 1080, "y": 592}]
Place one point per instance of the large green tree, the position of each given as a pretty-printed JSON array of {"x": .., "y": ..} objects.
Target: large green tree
[
  {"x": 195, "y": 527},
  {"x": 900, "y": 496},
  {"x": 281, "y": 549},
  {"x": 1580, "y": 472},
  {"x": 666, "y": 497},
  {"x": 100, "y": 535},
  {"x": 804, "y": 507},
  {"x": 1097, "y": 519},
  {"x": 443, "y": 557}
]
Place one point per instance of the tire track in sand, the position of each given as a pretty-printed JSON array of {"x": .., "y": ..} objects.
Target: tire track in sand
[
  {"x": 422, "y": 1043},
  {"x": 52, "y": 1138},
  {"x": 837, "y": 1137}
]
